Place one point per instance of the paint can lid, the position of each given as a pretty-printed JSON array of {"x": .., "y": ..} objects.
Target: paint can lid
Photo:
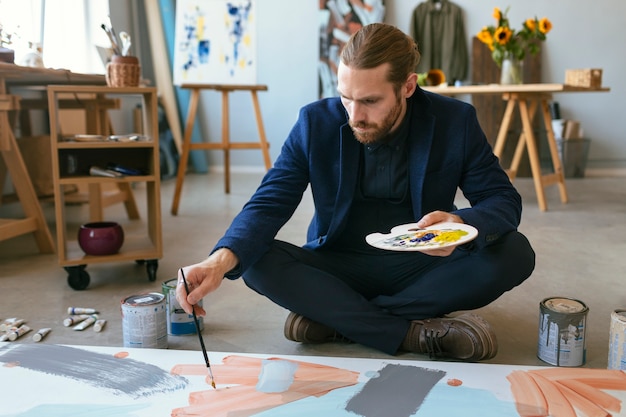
[
  {"x": 170, "y": 283},
  {"x": 619, "y": 315},
  {"x": 564, "y": 305},
  {"x": 144, "y": 299}
]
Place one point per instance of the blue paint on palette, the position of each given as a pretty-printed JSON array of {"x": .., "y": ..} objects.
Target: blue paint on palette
[{"x": 79, "y": 410}]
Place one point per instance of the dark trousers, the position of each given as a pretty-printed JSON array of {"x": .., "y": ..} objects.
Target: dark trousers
[{"x": 371, "y": 299}]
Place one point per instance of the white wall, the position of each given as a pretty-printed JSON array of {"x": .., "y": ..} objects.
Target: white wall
[{"x": 584, "y": 35}]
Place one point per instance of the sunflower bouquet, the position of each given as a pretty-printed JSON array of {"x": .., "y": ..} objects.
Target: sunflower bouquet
[{"x": 504, "y": 41}]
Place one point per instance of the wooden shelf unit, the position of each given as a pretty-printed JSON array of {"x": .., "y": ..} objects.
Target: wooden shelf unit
[{"x": 71, "y": 162}]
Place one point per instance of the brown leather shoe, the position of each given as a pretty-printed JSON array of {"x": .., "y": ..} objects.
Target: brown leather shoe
[
  {"x": 467, "y": 337},
  {"x": 301, "y": 329}
]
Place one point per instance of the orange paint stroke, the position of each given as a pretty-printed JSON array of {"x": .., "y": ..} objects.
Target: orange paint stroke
[
  {"x": 601, "y": 398},
  {"x": 586, "y": 407},
  {"x": 558, "y": 405},
  {"x": 566, "y": 389},
  {"x": 529, "y": 399},
  {"x": 310, "y": 379},
  {"x": 598, "y": 378},
  {"x": 121, "y": 355}
]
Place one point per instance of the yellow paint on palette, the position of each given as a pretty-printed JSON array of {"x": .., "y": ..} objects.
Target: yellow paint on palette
[{"x": 449, "y": 236}]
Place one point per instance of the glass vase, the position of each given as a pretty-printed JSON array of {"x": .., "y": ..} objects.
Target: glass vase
[{"x": 512, "y": 70}]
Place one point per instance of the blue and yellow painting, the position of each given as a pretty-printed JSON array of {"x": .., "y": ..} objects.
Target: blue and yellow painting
[{"x": 215, "y": 42}]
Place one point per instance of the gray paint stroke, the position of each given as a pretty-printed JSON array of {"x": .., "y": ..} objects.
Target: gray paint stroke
[
  {"x": 397, "y": 391},
  {"x": 122, "y": 376}
]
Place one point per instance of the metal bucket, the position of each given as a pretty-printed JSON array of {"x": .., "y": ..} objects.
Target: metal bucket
[
  {"x": 617, "y": 341},
  {"x": 178, "y": 321},
  {"x": 562, "y": 324},
  {"x": 144, "y": 321}
]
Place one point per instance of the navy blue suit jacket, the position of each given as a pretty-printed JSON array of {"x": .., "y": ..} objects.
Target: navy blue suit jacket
[{"x": 447, "y": 151}]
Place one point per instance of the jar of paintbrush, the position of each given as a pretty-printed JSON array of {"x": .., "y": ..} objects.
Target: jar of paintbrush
[{"x": 123, "y": 71}]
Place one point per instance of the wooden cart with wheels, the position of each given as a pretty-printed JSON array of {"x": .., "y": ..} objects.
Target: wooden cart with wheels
[{"x": 73, "y": 160}]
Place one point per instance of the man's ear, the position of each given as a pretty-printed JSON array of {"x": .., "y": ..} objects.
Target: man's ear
[{"x": 410, "y": 85}]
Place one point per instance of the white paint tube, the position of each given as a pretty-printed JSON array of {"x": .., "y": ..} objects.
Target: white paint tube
[
  {"x": 72, "y": 320},
  {"x": 23, "y": 329},
  {"x": 41, "y": 333},
  {"x": 99, "y": 325},
  {"x": 4, "y": 337},
  {"x": 9, "y": 323},
  {"x": 86, "y": 323},
  {"x": 81, "y": 310}
]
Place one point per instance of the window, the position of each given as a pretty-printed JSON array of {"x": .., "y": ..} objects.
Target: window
[{"x": 67, "y": 30}]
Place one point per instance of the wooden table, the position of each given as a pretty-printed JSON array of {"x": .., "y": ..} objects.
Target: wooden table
[
  {"x": 528, "y": 98},
  {"x": 12, "y": 75}
]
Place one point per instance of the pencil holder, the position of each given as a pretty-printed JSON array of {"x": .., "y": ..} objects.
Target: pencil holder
[{"x": 123, "y": 71}]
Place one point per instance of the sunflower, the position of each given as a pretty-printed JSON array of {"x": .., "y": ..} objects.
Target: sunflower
[{"x": 503, "y": 40}]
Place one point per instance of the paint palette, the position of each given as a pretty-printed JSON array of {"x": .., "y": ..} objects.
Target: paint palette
[{"x": 409, "y": 237}]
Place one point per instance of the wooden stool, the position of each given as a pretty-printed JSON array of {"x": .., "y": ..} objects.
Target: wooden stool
[
  {"x": 226, "y": 145},
  {"x": 34, "y": 221}
]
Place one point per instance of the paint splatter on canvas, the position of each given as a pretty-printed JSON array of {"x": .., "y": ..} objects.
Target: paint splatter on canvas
[{"x": 215, "y": 42}]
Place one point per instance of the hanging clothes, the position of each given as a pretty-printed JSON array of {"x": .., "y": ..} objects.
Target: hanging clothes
[{"x": 437, "y": 27}]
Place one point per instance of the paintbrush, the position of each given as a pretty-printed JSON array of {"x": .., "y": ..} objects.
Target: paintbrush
[
  {"x": 195, "y": 320},
  {"x": 114, "y": 46}
]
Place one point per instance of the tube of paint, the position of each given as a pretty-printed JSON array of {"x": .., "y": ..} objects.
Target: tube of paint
[
  {"x": 4, "y": 337},
  {"x": 86, "y": 323},
  {"x": 23, "y": 329},
  {"x": 12, "y": 322},
  {"x": 99, "y": 325},
  {"x": 41, "y": 333},
  {"x": 5, "y": 323},
  {"x": 81, "y": 310},
  {"x": 71, "y": 320}
]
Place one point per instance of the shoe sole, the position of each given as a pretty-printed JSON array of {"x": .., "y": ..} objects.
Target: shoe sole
[
  {"x": 291, "y": 324},
  {"x": 483, "y": 330}
]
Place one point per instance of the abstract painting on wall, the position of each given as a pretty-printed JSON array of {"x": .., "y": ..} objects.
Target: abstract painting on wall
[
  {"x": 338, "y": 20},
  {"x": 215, "y": 42}
]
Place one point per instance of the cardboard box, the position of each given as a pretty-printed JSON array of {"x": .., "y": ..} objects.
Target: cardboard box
[{"x": 588, "y": 78}]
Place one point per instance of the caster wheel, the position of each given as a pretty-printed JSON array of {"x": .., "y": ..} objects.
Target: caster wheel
[
  {"x": 77, "y": 277},
  {"x": 151, "y": 268}
]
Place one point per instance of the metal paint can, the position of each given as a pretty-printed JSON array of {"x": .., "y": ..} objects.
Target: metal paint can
[
  {"x": 178, "y": 321},
  {"x": 144, "y": 321},
  {"x": 617, "y": 341},
  {"x": 562, "y": 324}
]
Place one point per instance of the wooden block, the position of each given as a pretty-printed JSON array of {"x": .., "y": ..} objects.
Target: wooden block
[{"x": 589, "y": 78}]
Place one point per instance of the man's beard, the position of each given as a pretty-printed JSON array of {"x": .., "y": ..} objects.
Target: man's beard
[{"x": 378, "y": 132}]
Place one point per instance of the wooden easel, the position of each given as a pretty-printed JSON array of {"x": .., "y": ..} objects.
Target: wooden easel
[
  {"x": 225, "y": 145},
  {"x": 34, "y": 221}
]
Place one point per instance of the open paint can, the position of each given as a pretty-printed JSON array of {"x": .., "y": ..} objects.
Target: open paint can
[
  {"x": 562, "y": 324},
  {"x": 617, "y": 341},
  {"x": 144, "y": 321},
  {"x": 178, "y": 321}
]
